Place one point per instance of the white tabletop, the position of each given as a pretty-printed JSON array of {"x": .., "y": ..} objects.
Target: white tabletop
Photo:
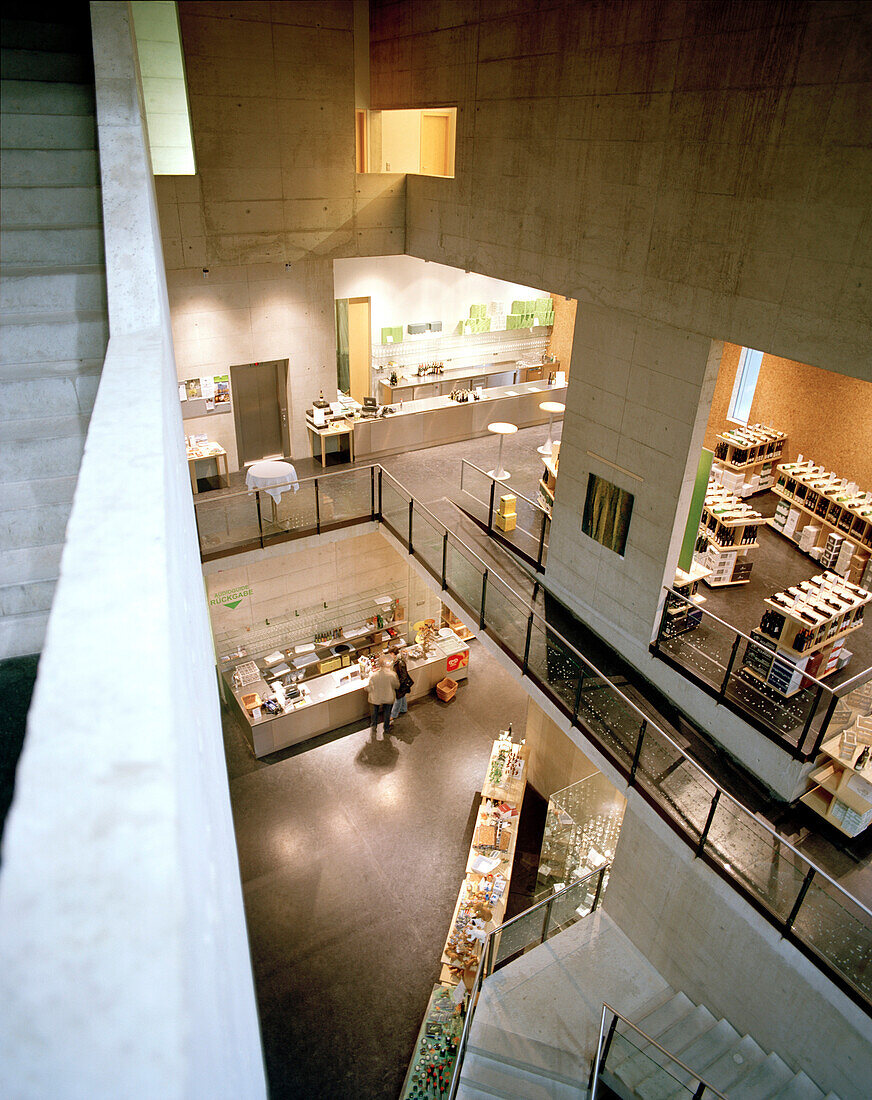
[
  {"x": 273, "y": 476},
  {"x": 500, "y": 428},
  {"x": 552, "y": 406}
]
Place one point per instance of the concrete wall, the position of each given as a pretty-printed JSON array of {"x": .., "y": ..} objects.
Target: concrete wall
[
  {"x": 702, "y": 165},
  {"x": 405, "y": 290},
  {"x": 555, "y": 760},
  {"x": 124, "y": 963},
  {"x": 707, "y": 943},
  {"x": 275, "y": 197}
]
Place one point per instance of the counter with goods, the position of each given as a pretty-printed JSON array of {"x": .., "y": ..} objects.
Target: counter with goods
[
  {"x": 481, "y": 907},
  {"x": 297, "y": 691}
]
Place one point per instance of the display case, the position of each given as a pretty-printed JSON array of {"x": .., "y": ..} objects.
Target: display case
[
  {"x": 802, "y": 632},
  {"x": 727, "y": 534},
  {"x": 548, "y": 481},
  {"x": 841, "y": 784},
  {"x": 582, "y": 826},
  {"x": 450, "y": 620},
  {"x": 682, "y": 615},
  {"x": 745, "y": 458}
]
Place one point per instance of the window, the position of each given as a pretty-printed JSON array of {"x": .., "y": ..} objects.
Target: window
[
  {"x": 415, "y": 141},
  {"x": 745, "y": 384}
]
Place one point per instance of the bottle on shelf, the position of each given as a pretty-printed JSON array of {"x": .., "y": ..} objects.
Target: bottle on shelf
[{"x": 862, "y": 759}]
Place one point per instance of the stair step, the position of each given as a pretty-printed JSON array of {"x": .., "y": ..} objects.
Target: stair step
[
  {"x": 501, "y": 1079},
  {"x": 61, "y": 336},
  {"x": 22, "y": 635},
  {"x": 26, "y": 34},
  {"x": 36, "y": 563},
  {"x": 531, "y": 1054},
  {"x": 668, "y": 1012},
  {"x": 728, "y": 1070},
  {"x": 68, "y": 68},
  {"x": 660, "y": 1085},
  {"x": 50, "y": 131},
  {"x": 63, "y": 290},
  {"x": 29, "y": 527},
  {"x": 50, "y": 368},
  {"x": 46, "y": 244},
  {"x": 632, "y": 1070},
  {"x": 33, "y": 399},
  {"x": 765, "y": 1079},
  {"x": 50, "y": 168},
  {"x": 41, "y": 458},
  {"x": 27, "y": 97},
  {"x": 25, "y": 599},
  {"x": 62, "y": 423},
  {"x": 800, "y": 1087},
  {"x": 27, "y": 207},
  {"x": 33, "y": 494}
]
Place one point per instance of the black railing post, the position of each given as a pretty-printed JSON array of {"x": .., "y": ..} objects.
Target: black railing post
[
  {"x": 607, "y": 1044},
  {"x": 372, "y": 492},
  {"x": 444, "y": 559},
  {"x": 545, "y": 520},
  {"x": 317, "y": 508},
  {"x": 483, "y": 597},
  {"x": 380, "y": 514},
  {"x": 578, "y": 695},
  {"x": 800, "y": 897},
  {"x": 638, "y": 751},
  {"x": 259, "y": 518},
  {"x": 708, "y": 824},
  {"x": 700, "y": 1090},
  {"x": 490, "y": 509},
  {"x": 527, "y": 644},
  {"x": 819, "y": 740},
  {"x": 730, "y": 663},
  {"x": 411, "y": 509},
  {"x": 597, "y": 894},
  {"x": 812, "y": 711},
  {"x": 547, "y": 920}
]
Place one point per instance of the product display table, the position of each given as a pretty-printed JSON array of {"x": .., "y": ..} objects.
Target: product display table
[
  {"x": 334, "y": 698},
  {"x": 273, "y": 477},
  {"x": 841, "y": 792},
  {"x": 336, "y": 431},
  {"x": 502, "y": 430},
  {"x": 204, "y": 451},
  {"x": 430, "y": 1069},
  {"x": 552, "y": 408}
]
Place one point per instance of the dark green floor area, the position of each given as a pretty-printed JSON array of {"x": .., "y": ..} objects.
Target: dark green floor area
[{"x": 17, "y": 677}]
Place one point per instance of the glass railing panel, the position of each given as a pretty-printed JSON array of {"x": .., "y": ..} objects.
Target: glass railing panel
[
  {"x": 554, "y": 665},
  {"x": 463, "y": 576},
  {"x": 520, "y": 934},
  {"x": 346, "y": 496},
  {"x": 764, "y": 864},
  {"x": 227, "y": 522},
  {"x": 293, "y": 513},
  {"x": 476, "y": 484},
  {"x": 505, "y": 618},
  {"x": 573, "y": 903},
  {"x": 609, "y": 717},
  {"x": 675, "y": 782},
  {"x": 838, "y": 929},
  {"x": 427, "y": 539},
  {"x": 697, "y": 642},
  {"x": 631, "y": 1061},
  {"x": 395, "y": 508}
]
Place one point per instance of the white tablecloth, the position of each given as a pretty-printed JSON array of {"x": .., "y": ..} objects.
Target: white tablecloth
[{"x": 273, "y": 476}]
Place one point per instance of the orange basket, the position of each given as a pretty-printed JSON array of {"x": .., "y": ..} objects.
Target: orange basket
[{"x": 446, "y": 689}]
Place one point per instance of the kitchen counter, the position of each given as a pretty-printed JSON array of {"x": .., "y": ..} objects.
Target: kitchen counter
[
  {"x": 430, "y": 421},
  {"x": 410, "y": 384},
  {"x": 335, "y": 698}
]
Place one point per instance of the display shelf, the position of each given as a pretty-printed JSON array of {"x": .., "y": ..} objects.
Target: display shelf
[
  {"x": 435, "y": 1050},
  {"x": 727, "y": 533},
  {"x": 450, "y": 620},
  {"x": 548, "y": 480},
  {"x": 744, "y": 458},
  {"x": 679, "y": 615},
  {"x": 830, "y": 519},
  {"x": 802, "y": 633},
  {"x": 839, "y": 791}
]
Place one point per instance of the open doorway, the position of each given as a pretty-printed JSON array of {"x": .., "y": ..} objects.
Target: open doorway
[{"x": 353, "y": 346}]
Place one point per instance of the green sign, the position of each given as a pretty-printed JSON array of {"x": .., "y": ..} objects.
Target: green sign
[{"x": 230, "y": 597}]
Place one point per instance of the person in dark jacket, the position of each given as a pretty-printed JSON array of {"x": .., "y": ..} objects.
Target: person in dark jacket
[{"x": 405, "y": 683}]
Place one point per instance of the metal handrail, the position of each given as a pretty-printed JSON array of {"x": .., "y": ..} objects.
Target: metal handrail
[
  {"x": 652, "y": 724},
  {"x": 693, "y": 1073},
  {"x": 490, "y": 477},
  {"x": 742, "y": 634},
  {"x": 720, "y": 791},
  {"x": 552, "y": 897},
  {"x": 289, "y": 484}
]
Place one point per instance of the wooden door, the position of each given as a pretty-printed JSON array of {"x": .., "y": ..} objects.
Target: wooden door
[
  {"x": 359, "y": 347},
  {"x": 435, "y": 144}
]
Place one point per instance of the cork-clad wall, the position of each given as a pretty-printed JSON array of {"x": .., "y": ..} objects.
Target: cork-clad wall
[
  {"x": 560, "y": 344},
  {"x": 827, "y": 416}
]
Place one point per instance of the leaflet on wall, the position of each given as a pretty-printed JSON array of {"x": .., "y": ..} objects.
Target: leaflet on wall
[
  {"x": 182, "y": 395},
  {"x": 192, "y": 388},
  {"x": 207, "y": 387},
  {"x": 222, "y": 389}
]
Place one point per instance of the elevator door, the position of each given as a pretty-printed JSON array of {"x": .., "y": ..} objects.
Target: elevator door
[{"x": 260, "y": 410}]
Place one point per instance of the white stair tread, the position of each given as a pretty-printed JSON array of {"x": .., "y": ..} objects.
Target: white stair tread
[
  {"x": 765, "y": 1079},
  {"x": 736, "y": 1063},
  {"x": 800, "y": 1087},
  {"x": 504, "y": 1080}
]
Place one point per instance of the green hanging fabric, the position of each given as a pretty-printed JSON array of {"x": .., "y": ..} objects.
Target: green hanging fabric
[{"x": 343, "y": 370}]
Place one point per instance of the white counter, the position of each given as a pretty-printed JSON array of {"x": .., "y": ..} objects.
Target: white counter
[
  {"x": 447, "y": 421},
  {"x": 331, "y": 703},
  {"x": 498, "y": 372}
]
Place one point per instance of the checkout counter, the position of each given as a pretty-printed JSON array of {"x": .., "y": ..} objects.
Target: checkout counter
[{"x": 326, "y": 700}]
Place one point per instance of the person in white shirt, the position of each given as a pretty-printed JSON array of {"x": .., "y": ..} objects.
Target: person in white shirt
[{"x": 381, "y": 690}]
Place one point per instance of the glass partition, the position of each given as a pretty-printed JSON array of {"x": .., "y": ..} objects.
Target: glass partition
[
  {"x": 463, "y": 576},
  {"x": 394, "y": 508},
  {"x": 347, "y": 496},
  {"x": 427, "y": 540},
  {"x": 227, "y": 523}
]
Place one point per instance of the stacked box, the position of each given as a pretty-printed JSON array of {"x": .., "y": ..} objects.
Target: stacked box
[
  {"x": 831, "y": 549},
  {"x": 843, "y": 561},
  {"x": 808, "y": 538},
  {"x": 793, "y": 517}
]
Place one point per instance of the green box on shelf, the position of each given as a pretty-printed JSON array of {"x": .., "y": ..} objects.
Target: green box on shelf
[
  {"x": 392, "y": 335},
  {"x": 478, "y": 311}
]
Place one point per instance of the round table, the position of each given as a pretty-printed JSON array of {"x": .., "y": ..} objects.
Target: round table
[
  {"x": 502, "y": 430},
  {"x": 273, "y": 476},
  {"x": 552, "y": 408}
]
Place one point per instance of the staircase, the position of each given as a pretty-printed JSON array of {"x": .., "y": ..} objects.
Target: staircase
[
  {"x": 514, "y": 1066},
  {"x": 53, "y": 323},
  {"x": 732, "y": 1063}
]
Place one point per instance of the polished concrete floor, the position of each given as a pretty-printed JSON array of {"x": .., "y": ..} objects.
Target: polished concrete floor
[{"x": 351, "y": 855}]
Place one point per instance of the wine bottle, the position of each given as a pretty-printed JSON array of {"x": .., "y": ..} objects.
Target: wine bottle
[{"x": 862, "y": 759}]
